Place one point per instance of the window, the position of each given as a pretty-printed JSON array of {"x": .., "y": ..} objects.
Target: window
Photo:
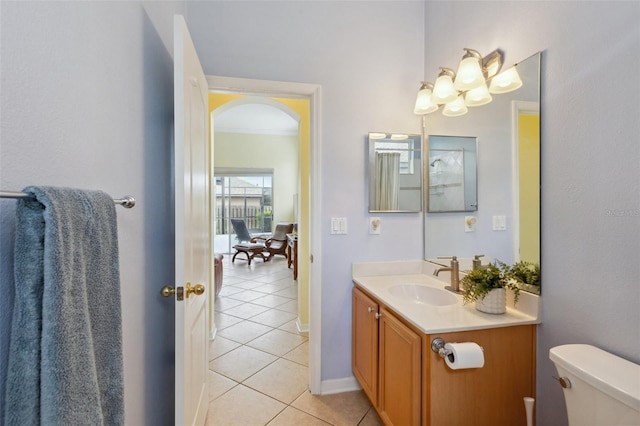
[
  {"x": 406, "y": 150},
  {"x": 242, "y": 196}
]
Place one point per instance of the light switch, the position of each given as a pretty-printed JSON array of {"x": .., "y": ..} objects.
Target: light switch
[
  {"x": 499, "y": 223},
  {"x": 338, "y": 225}
]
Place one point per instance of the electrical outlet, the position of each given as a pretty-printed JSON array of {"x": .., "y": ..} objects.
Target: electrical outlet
[
  {"x": 470, "y": 223},
  {"x": 375, "y": 226}
]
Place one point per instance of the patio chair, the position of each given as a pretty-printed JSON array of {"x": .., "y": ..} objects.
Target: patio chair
[
  {"x": 246, "y": 243},
  {"x": 277, "y": 243}
]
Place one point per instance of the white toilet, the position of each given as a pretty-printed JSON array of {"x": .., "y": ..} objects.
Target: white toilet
[{"x": 599, "y": 388}]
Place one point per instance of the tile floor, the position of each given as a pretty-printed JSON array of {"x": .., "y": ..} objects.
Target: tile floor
[{"x": 258, "y": 368}]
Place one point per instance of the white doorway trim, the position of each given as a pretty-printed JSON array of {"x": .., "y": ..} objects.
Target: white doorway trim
[{"x": 313, "y": 93}]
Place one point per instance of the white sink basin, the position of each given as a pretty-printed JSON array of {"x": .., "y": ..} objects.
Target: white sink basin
[{"x": 423, "y": 294}]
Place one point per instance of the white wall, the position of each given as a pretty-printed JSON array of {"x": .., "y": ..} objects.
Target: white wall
[
  {"x": 87, "y": 101},
  {"x": 590, "y": 161},
  {"x": 368, "y": 58}
]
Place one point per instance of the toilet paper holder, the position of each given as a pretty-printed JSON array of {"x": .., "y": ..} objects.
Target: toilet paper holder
[
  {"x": 437, "y": 345},
  {"x": 459, "y": 355}
]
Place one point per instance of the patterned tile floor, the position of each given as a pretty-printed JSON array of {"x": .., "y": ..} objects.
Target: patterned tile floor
[{"x": 258, "y": 368}]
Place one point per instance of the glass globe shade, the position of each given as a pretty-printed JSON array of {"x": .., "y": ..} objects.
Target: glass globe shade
[
  {"x": 443, "y": 90},
  {"x": 469, "y": 75},
  {"x": 478, "y": 96},
  {"x": 455, "y": 108},
  {"x": 505, "y": 82},
  {"x": 424, "y": 104}
]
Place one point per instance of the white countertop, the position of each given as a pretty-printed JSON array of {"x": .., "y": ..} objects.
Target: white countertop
[{"x": 378, "y": 277}]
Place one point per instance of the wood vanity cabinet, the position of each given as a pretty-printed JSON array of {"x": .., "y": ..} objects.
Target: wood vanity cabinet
[
  {"x": 491, "y": 395},
  {"x": 386, "y": 359},
  {"x": 364, "y": 343},
  {"x": 409, "y": 384}
]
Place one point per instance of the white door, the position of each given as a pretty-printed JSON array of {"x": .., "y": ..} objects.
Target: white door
[{"x": 192, "y": 229}]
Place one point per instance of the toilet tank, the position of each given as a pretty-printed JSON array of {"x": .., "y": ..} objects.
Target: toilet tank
[{"x": 605, "y": 389}]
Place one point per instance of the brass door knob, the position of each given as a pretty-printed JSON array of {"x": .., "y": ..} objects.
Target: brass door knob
[
  {"x": 197, "y": 289},
  {"x": 167, "y": 291}
]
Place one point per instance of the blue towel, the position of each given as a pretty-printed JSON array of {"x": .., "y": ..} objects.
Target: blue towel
[{"x": 65, "y": 354}]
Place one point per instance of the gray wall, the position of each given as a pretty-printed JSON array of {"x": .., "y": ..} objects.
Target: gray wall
[
  {"x": 590, "y": 161},
  {"x": 87, "y": 101},
  {"x": 368, "y": 58}
]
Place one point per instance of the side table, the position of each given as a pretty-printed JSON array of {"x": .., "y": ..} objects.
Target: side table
[{"x": 292, "y": 253}]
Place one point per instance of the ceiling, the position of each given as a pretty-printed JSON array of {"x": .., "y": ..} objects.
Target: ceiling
[{"x": 256, "y": 119}]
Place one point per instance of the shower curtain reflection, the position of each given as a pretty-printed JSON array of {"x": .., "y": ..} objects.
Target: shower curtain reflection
[{"x": 387, "y": 188}]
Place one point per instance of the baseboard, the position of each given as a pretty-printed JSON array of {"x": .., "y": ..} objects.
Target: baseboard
[
  {"x": 302, "y": 328},
  {"x": 346, "y": 384}
]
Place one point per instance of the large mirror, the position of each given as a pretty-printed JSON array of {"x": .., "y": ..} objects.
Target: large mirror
[
  {"x": 506, "y": 224},
  {"x": 395, "y": 173},
  {"x": 452, "y": 174}
]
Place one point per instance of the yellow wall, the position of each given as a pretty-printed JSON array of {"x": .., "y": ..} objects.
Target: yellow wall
[
  {"x": 252, "y": 151},
  {"x": 302, "y": 108},
  {"x": 529, "y": 171}
]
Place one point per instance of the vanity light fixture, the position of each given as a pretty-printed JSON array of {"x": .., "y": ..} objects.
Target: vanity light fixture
[
  {"x": 477, "y": 78},
  {"x": 469, "y": 75},
  {"x": 491, "y": 64},
  {"x": 424, "y": 103},
  {"x": 478, "y": 96},
  {"x": 377, "y": 135},
  {"x": 399, "y": 137},
  {"x": 443, "y": 90},
  {"x": 506, "y": 82},
  {"x": 455, "y": 107}
]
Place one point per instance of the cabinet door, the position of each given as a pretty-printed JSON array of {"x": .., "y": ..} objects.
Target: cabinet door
[
  {"x": 400, "y": 374},
  {"x": 364, "y": 350},
  {"x": 491, "y": 395}
]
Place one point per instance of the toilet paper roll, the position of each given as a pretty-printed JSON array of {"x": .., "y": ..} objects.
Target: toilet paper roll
[{"x": 464, "y": 355}]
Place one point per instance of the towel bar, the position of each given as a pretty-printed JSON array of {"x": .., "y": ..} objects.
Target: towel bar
[{"x": 127, "y": 201}]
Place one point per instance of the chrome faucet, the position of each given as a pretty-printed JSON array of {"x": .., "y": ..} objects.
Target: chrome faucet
[{"x": 454, "y": 273}]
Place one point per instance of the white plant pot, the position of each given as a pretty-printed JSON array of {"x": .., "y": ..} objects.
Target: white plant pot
[{"x": 495, "y": 302}]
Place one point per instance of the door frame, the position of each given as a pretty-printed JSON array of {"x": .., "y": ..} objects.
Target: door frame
[{"x": 313, "y": 93}]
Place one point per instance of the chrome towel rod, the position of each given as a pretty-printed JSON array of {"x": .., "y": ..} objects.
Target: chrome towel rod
[{"x": 127, "y": 201}]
